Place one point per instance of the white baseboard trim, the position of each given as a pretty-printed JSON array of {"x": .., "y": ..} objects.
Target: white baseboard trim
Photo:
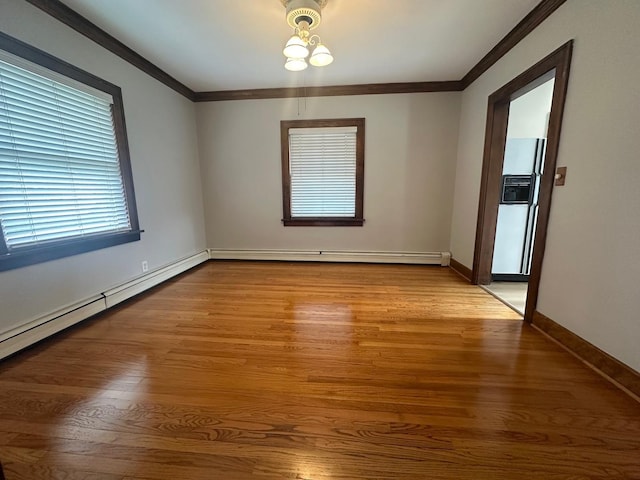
[
  {"x": 42, "y": 327},
  {"x": 421, "y": 258},
  {"x": 127, "y": 290},
  {"x": 38, "y": 329}
]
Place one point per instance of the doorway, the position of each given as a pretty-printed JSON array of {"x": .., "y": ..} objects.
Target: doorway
[
  {"x": 522, "y": 169},
  {"x": 517, "y": 180}
]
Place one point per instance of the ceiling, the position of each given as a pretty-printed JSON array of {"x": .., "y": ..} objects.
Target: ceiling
[{"x": 213, "y": 45}]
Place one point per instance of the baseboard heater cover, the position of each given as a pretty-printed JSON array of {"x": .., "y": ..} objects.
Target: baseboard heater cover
[
  {"x": 421, "y": 258},
  {"x": 134, "y": 287},
  {"x": 38, "y": 329},
  {"x": 17, "y": 338}
]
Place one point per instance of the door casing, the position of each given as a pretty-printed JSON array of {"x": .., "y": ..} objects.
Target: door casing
[{"x": 493, "y": 158}]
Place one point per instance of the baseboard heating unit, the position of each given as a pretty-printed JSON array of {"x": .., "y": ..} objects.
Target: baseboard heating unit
[
  {"x": 421, "y": 258},
  {"x": 37, "y": 329}
]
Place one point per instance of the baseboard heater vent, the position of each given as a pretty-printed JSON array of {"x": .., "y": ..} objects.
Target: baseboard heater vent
[
  {"x": 33, "y": 331},
  {"x": 421, "y": 258}
]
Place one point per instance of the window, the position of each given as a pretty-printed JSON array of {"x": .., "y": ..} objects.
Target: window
[
  {"x": 323, "y": 172},
  {"x": 65, "y": 177}
]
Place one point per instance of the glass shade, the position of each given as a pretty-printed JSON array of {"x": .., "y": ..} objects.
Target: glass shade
[
  {"x": 321, "y": 56},
  {"x": 295, "y": 64},
  {"x": 296, "y": 48}
]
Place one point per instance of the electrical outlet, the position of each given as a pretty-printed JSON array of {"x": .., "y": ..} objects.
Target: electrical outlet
[{"x": 145, "y": 266}]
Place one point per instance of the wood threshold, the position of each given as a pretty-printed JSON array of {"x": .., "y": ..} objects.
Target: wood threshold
[
  {"x": 71, "y": 18},
  {"x": 460, "y": 269},
  {"x": 620, "y": 374}
]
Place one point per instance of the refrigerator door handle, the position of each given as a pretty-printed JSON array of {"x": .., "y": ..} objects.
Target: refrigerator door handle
[{"x": 527, "y": 251}]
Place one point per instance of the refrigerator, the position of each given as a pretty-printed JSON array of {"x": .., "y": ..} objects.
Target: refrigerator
[{"x": 518, "y": 209}]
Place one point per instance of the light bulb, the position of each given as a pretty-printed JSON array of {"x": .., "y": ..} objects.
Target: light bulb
[
  {"x": 321, "y": 56},
  {"x": 296, "y": 48},
  {"x": 295, "y": 64}
]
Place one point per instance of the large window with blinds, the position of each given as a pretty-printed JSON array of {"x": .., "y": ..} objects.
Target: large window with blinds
[
  {"x": 65, "y": 177},
  {"x": 323, "y": 172}
]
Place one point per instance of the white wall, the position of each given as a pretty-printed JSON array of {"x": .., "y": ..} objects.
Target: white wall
[
  {"x": 592, "y": 261},
  {"x": 163, "y": 146},
  {"x": 529, "y": 113},
  {"x": 409, "y": 172}
]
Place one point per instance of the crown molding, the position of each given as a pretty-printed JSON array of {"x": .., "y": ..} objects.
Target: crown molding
[
  {"x": 529, "y": 23},
  {"x": 80, "y": 24},
  {"x": 70, "y": 17},
  {"x": 328, "y": 91}
]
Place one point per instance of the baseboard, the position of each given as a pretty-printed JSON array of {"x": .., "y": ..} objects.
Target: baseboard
[
  {"x": 38, "y": 329},
  {"x": 421, "y": 258},
  {"x": 460, "y": 269},
  {"x": 134, "y": 287},
  {"x": 622, "y": 375},
  {"x": 44, "y": 326}
]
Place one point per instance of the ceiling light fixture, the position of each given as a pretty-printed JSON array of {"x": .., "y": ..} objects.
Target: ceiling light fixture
[{"x": 304, "y": 16}]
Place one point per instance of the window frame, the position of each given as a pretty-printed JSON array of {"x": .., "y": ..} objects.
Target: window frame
[
  {"x": 358, "y": 219},
  {"x": 30, "y": 255}
]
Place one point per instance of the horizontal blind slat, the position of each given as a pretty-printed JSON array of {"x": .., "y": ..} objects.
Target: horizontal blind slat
[
  {"x": 60, "y": 173},
  {"x": 322, "y": 167},
  {"x": 38, "y": 72}
]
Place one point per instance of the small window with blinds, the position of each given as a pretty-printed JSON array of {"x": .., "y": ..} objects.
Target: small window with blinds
[
  {"x": 323, "y": 172},
  {"x": 65, "y": 178}
]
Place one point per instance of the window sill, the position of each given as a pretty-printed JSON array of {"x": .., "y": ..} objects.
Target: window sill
[
  {"x": 323, "y": 222},
  {"x": 39, "y": 254}
]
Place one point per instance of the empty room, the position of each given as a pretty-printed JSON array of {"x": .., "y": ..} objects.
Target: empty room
[{"x": 319, "y": 239}]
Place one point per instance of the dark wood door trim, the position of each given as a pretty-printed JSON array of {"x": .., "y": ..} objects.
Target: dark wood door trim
[
  {"x": 495, "y": 138},
  {"x": 562, "y": 60}
]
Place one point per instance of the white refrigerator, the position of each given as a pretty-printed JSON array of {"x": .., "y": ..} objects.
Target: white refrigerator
[{"x": 518, "y": 210}]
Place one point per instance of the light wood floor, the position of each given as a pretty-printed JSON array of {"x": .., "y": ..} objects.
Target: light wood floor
[{"x": 311, "y": 371}]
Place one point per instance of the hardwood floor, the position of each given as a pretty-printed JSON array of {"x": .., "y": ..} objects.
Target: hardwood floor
[{"x": 247, "y": 370}]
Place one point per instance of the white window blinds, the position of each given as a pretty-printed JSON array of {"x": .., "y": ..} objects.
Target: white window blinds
[
  {"x": 60, "y": 173},
  {"x": 322, "y": 164}
]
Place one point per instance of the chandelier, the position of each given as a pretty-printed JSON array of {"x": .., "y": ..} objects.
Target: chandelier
[{"x": 304, "y": 16}]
